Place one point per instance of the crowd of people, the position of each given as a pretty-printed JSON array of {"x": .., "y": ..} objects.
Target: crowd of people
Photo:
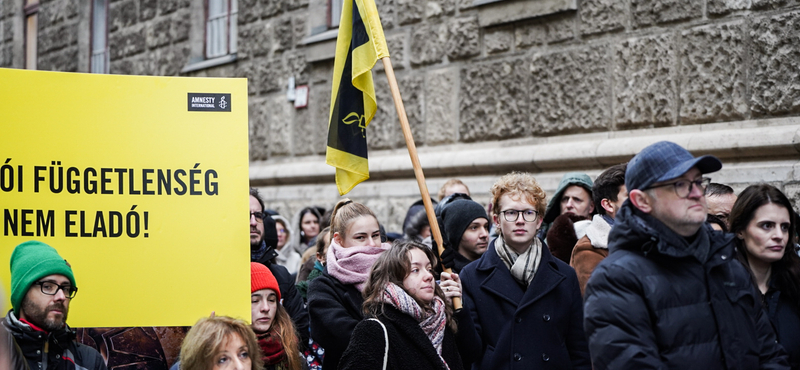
[{"x": 649, "y": 266}]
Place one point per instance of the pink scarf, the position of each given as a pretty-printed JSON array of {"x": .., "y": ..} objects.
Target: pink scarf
[{"x": 351, "y": 265}]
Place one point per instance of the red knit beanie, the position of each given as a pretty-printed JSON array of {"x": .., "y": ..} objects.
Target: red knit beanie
[{"x": 262, "y": 278}]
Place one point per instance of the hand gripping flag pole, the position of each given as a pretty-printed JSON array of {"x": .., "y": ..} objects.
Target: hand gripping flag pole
[{"x": 359, "y": 45}]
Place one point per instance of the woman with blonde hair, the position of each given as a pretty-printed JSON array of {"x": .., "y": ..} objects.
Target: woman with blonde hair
[
  {"x": 334, "y": 298},
  {"x": 220, "y": 342}
]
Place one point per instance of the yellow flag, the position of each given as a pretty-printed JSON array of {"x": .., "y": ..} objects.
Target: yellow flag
[{"x": 359, "y": 45}]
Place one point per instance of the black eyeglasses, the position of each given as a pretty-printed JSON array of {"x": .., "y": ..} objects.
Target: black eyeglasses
[
  {"x": 684, "y": 187},
  {"x": 512, "y": 215},
  {"x": 50, "y": 288},
  {"x": 259, "y": 216}
]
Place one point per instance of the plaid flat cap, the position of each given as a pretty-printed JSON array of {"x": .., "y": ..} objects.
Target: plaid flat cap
[{"x": 664, "y": 161}]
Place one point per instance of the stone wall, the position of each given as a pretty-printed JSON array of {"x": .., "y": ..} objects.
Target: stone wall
[
  {"x": 58, "y": 35},
  {"x": 149, "y": 37},
  {"x": 608, "y": 67},
  {"x": 569, "y": 85},
  {"x": 8, "y": 12}
]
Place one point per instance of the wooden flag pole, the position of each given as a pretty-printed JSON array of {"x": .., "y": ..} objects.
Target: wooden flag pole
[{"x": 412, "y": 152}]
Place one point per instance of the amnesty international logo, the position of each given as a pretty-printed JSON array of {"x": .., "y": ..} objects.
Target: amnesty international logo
[{"x": 208, "y": 102}]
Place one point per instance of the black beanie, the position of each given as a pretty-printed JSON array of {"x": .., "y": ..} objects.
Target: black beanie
[{"x": 457, "y": 216}]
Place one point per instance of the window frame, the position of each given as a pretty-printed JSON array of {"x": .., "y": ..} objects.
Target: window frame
[
  {"x": 106, "y": 61},
  {"x": 30, "y": 11},
  {"x": 333, "y": 19},
  {"x": 231, "y": 30}
]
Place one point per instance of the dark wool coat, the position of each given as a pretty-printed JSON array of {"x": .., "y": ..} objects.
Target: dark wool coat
[
  {"x": 409, "y": 347},
  {"x": 56, "y": 350},
  {"x": 335, "y": 310},
  {"x": 651, "y": 304},
  {"x": 785, "y": 318},
  {"x": 540, "y": 327}
]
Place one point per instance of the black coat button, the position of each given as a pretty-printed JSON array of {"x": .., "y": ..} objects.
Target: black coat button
[
  {"x": 546, "y": 317},
  {"x": 517, "y": 357},
  {"x": 518, "y": 320},
  {"x": 545, "y": 357}
]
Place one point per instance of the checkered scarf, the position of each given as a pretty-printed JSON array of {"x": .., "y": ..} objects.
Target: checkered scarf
[{"x": 522, "y": 266}]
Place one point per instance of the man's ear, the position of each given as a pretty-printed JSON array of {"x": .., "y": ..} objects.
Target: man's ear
[
  {"x": 606, "y": 204},
  {"x": 641, "y": 200}
]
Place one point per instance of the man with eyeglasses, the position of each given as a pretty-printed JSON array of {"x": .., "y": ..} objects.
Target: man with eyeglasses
[
  {"x": 263, "y": 240},
  {"x": 42, "y": 287},
  {"x": 671, "y": 293},
  {"x": 526, "y": 304}
]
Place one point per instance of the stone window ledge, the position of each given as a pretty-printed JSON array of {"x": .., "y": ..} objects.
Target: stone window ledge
[
  {"x": 196, "y": 66},
  {"x": 321, "y": 37},
  {"x": 321, "y": 47},
  {"x": 495, "y": 12}
]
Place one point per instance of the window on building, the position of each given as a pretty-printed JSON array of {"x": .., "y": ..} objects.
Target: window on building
[
  {"x": 99, "y": 60},
  {"x": 334, "y": 13},
  {"x": 221, "y": 28},
  {"x": 324, "y": 19},
  {"x": 31, "y": 12}
]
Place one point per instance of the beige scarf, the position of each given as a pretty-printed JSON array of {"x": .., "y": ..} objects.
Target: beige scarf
[{"x": 522, "y": 266}]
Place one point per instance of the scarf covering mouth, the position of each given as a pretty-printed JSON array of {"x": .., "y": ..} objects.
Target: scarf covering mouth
[{"x": 351, "y": 265}]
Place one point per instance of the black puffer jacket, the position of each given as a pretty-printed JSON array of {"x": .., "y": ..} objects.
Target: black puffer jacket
[
  {"x": 52, "y": 351},
  {"x": 409, "y": 347},
  {"x": 653, "y": 305}
]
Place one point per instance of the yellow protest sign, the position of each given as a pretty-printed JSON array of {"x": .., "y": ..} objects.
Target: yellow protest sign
[{"x": 141, "y": 183}]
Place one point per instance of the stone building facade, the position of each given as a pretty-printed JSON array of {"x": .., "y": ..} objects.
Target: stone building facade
[{"x": 490, "y": 86}]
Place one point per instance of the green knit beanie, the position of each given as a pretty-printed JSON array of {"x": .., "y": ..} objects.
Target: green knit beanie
[{"x": 32, "y": 261}]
